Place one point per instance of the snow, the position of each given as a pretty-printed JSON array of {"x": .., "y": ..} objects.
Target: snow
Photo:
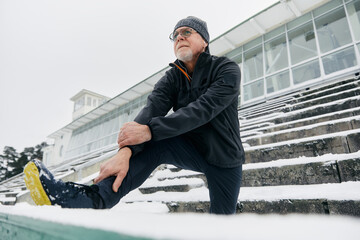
[
  {"x": 153, "y": 182},
  {"x": 326, "y": 159},
  {"x": 297, "y": 141},
  {"x": 271, "y": 124},
  {"x": 167, "y": 173},
  {"x": 270, "y": 117},
  {"x": 331, "y": 191},
  {"x": 196, "y": 226},
  {"x": 307, "y": 127}
]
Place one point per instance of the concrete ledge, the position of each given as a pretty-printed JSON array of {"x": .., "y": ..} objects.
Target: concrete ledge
[
  {"x": 311, "y": 173},
  {"x": 13, "y": 227},
  {"x": 336, "y": 106},
  {"x": 325, "y": 99},
  {"x": 302, "y": 132},
  {"x": 308, "y": 147},
  {"x": 284, "y": 206},
  {"x": 348, "y": 207},
  {"x": 330, "y": 89}
]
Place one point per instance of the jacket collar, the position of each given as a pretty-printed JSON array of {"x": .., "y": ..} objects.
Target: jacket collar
[{"x": 204, "y": 57}]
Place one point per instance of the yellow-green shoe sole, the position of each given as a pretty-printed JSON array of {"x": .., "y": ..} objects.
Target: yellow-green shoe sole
[{"x": 33, "y": 183}]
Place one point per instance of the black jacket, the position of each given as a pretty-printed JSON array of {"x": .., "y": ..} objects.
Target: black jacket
[{"x": 205, "y": 109}]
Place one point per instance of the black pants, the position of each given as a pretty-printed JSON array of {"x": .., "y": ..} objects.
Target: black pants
[{"x": 224, "y": 183}]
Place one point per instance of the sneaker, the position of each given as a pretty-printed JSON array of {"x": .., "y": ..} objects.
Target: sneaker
[{"x": 46, "y": 190}]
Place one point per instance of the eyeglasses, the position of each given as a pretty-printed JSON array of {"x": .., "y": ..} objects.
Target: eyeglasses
[{"x": 186, "y": 32}]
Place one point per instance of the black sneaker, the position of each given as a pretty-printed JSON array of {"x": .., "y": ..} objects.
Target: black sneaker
[{"x": 46, "y": 190}]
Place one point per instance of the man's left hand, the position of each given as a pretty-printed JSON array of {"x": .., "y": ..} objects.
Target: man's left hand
[{"x": 133, "y": 133}]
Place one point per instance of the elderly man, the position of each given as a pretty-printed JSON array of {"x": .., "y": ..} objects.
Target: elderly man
[{"x": 202, "y": 133}]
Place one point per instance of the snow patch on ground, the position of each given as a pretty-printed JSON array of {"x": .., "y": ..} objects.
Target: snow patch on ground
[
  {"x": 331, "y": 191},
  {"x": 326, "y": 158},
  {"x": 197, "y": 226}
]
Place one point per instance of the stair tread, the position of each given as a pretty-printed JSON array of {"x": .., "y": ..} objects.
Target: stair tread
[
  {"x": 299, "y": 140},
  {"x": 326, "y": 158},
  {"x": 331, "y": 191}
]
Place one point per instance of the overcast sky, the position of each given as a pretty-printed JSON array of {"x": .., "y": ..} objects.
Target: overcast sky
[{"x": 50, "y": 50}]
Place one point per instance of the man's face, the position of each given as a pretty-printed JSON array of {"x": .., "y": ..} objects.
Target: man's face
[{"x": 186, "y": 48}]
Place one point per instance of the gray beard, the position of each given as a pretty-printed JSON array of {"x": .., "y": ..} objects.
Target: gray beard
[{"x": 185, "y": 57}]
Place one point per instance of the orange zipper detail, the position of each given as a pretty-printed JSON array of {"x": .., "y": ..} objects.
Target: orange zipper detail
[{"x": 185, "y": 73}]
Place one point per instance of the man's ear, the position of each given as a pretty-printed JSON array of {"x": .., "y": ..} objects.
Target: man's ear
[{"x": 205, "y": 44}]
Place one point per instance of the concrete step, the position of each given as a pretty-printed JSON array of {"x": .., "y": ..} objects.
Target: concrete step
[
  {"x": 303, "y": 171},
  {"x": 8, "y": 201},
  {"x": 272, "y": 127},
  {"x": 336, "y": 198},
  {"x": 291, "y": 133},
  {"x": 339, "y": 143},
  {"x": 299, "y": 102},
  {"x": 323, "y": 112},
  {"x": 308, "y": 206},
  {"x": 334, "y": 86},
  {"x": 349, "y": 93},
  {"x": 325, "y": 91},
  {"x": 321, "y": 109},
  {"x": 283, "y": 206},
  {"x": 171, "y": 185},
  {"x": 262, "y": 110}
]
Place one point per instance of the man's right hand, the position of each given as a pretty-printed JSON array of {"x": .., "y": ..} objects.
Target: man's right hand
[{"x": 117, "y": 166}]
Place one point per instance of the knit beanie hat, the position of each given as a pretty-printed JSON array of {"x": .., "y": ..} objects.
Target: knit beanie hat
[{"x": 195, "y": 23}]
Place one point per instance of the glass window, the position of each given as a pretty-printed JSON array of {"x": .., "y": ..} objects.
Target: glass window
[
  {"x": 307, "y": 71},
  {"x": 274, "y": 33},
  {"x": 235, "y": 55},
  {"x": 327, "y": 7},
  {"x": 302, "y": 43},
  {"x": 94, "y": 102},
  {"x": 298, "y": 21},
  {"x": 88, "y": 102},
  {"x": 277, "y": 82},
  {"x": 333, "y": 30},
  {"x": 339, "y": 60},
  {"x": 354, "y": 17},
  {"x": 254, "y": 90},
  {"x": 358, "y": 47},
  {"x": 253, "y": 43},
  {"x": 276, "y": 54},
  {"x": 79, "y": 103},
  {"x": 253, "y": 64}
]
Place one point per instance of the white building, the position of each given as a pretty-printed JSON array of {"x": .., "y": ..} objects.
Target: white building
[
  {"x": 291, "y": 45},
  {"x": 84, "y": 102}
]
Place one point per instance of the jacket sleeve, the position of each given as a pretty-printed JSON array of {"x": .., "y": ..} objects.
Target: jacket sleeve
[
  {"x": 221, "y": 93},
  {"x": 159, "y": 102}
]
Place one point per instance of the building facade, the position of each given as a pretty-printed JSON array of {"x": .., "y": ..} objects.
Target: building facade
[{"x": 291, "y": 45}]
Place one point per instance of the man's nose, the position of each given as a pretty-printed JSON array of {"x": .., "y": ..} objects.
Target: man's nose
[{"x": 180, "y": 37}]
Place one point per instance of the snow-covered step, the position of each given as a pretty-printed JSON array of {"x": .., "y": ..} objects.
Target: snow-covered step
[
  {"x": 335, "y": 143},
  {"x": 302, "y": 171},
  {"x": 333, "y": 96},
  {"x": 336, "y": 198},
  {"x": 326, "y": 96},
  {"x": 268, "y": 127},
  {"x": 329, "y": 168},
  {"x": 314, "y": 114},
  {"x": 55, "y": 223},
  {"x": 328, "y": 90},
  {"x": 315, "y": 129},
  {"x": 170, "y": 185}
]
